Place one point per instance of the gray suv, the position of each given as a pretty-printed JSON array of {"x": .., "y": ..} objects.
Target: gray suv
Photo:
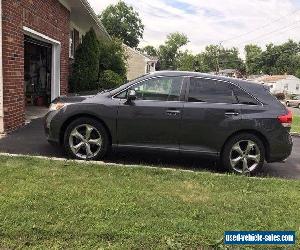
[{"x": 236, "y": 121}]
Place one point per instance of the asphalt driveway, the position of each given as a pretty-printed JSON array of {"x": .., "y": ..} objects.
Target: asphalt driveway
[{"x": 30, "y": 140}]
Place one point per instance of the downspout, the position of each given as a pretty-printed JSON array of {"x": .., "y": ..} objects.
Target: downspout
[{"x": 1, "y": 75}]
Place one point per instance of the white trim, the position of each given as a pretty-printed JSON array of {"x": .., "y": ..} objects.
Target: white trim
[
  {"x": 39, "y": 36},
  {"x": 93, "y": 15},
  {"x": 1, "y": 75},
  {"x": 56, "y": 51}
]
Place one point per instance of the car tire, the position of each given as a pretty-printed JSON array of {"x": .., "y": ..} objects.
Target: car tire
[
  {"x": 86, "y": 139},
  {"x": 242, "y": 149}
]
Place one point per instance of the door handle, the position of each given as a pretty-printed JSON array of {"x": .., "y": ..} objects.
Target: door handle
[
  {"x": 232, "y": 113},
  {"x": 173, "y": 112}
]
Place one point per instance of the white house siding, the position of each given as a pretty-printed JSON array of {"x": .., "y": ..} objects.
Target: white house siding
[
  {"x": 138, "y": 64},
  {"x": 290, "y": 85}
]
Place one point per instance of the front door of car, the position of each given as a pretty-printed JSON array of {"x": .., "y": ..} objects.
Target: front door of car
[
  {"x": 210, "y": 115},
  {"x": 152, "y": 120}
]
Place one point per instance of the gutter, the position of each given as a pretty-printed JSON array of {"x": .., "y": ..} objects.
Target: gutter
[
  {"x": 92, "y": 13},
  {"x": 1, "y": 75}
]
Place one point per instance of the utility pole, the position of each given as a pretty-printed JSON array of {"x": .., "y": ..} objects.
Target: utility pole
[{"x": 218, "y": 55}]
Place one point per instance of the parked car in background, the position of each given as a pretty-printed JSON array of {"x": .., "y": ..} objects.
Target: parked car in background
[
  {"x": 293, "y": 102},
  {"x": 235, "y": 121}
]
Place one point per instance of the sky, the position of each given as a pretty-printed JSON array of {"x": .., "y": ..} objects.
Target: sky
[{"x": 229, "y": 22}]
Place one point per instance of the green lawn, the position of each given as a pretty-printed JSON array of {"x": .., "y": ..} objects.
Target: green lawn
[
  {"x": 296, "y": 124},
  {"x": 52, "y": 204}
]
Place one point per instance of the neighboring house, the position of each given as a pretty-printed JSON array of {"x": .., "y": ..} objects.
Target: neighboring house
[
  {"x": 37, "y": 43},
  {"x": 138, "y": 64},
  {"x": 230, "y": 73},
  {"x": 287, "y": 84}
]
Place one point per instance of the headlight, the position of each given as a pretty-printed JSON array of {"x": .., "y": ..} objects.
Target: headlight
[{"x": 57, "y": 106}]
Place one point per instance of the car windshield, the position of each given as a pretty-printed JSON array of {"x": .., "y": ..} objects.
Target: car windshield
[{"x": 119, "y": 88}]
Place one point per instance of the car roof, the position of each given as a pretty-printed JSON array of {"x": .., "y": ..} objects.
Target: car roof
[
  {"x": 205, "y": 75},
  {"x": 247, "y": 85}
]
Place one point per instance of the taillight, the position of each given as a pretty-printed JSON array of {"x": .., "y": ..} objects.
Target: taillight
[{"x": 286, "y": 120}]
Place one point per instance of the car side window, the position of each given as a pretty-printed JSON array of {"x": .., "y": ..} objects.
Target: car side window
[
  {"x": 123, "y": 95},
  {"x": 211, "y": 91},
  {"x": 157, "y": 89},
  {"x": 243, "y": 97}
]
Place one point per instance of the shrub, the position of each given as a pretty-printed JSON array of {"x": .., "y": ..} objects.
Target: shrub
[
  {"x": 110, "y": 79},
  {"x": 98, "y": 64},
  {"x": 280, "y": 96},
  {"x": 85, "y": 72},
  {"x": 112, "y": 57}
]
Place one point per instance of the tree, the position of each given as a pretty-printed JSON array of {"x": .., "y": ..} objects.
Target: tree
[
  {"x": 86, "y": 64},
  {"x": 170, "y": 52},
  {"x": 217, "y": 57},
  {"x": 211, "y": 58},
  {"x": 253, "y": 59},
  {"x": 186, "y": 62},
  {"x": 229, "y": 59},
  {"x": 150, "y": 50},
  {"x": 123, "y": 22},
  {"x": 112, "y": 63},
  {"x": 281, "y": 59}
]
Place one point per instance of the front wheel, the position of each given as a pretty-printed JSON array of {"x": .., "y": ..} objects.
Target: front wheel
[
  {"x": 86, "y": 139},
  {"x": 244, "y": 154}
]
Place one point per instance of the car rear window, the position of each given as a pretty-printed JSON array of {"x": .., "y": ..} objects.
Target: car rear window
[
  {"x": 211, "y": 91},
  {"x": 243, "y": 97}
]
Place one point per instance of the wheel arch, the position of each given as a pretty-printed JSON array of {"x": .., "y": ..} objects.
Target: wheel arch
[
  {"x": 77, "y": 116},
  {"x": 253, "y": 132}
]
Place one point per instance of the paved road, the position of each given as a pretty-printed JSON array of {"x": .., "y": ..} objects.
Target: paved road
[{"x": 31, "y": 140}]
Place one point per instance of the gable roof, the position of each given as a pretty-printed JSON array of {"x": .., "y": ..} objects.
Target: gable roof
[
  {"x": 149, "y": 58},
  {"x": 275, "y": 78},
  {"x": 82, "y": 12}
]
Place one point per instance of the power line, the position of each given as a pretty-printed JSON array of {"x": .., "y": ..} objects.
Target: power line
[
  {"x": 259, "y": 28},
  {"x": 282, "y": 32},
  {"x": 269, "y": 33}
]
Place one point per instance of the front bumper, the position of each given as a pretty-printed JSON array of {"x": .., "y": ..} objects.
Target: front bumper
[{"x": 50, "y": 132}]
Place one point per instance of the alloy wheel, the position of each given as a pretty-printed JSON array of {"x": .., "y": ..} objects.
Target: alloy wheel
[
  {"x": 85, "y": 141},
  {"x": 245, "y": 156}
]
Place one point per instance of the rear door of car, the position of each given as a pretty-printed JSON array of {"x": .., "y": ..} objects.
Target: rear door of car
[
  {"x": 153, "y": 119},
  {"x": 211, "y": 113}
]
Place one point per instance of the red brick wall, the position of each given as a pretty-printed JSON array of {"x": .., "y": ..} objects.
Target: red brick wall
[{"x": 48, "y": 17}]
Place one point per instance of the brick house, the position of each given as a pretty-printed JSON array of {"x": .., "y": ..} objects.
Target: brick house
[{"x": 37, "y": 43}]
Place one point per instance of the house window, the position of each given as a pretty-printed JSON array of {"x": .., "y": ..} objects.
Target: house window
[
  {"x": 286, "y": 86},
  {"x": 148, "y": 70},
  {"x": 297, "y": 86},
  {"x": 72, "y": 44}
]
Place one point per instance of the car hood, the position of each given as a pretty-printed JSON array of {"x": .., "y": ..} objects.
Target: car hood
[{"x": 72, "y": 99}]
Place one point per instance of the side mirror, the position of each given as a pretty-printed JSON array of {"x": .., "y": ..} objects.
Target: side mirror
[{"x": 131, "y": 95}]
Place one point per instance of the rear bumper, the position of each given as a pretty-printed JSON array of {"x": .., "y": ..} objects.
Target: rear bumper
[{"x": 281, "y": 146}]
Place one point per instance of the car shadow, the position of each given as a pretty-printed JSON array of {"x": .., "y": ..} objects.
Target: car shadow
[
  {"x": 163, "y": 160},
  {"x": 30, "y": 140}
]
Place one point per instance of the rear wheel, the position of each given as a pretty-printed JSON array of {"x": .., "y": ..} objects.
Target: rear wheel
[
  {"x": 86, "y": 139},
  {"x": 244, "y": 154}
]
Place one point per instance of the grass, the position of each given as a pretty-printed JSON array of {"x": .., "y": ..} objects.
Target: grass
[
  {"x": 59, "y": 205},
  {"x": 296, "y": 124}
]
